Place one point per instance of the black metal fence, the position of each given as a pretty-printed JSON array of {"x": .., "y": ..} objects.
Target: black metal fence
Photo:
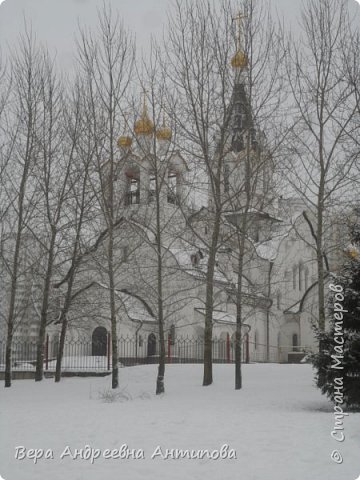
[{"x": 95, "y": 356}]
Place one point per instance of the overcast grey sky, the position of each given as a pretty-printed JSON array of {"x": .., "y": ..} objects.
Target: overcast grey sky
[{"x": 55, "y": 21}]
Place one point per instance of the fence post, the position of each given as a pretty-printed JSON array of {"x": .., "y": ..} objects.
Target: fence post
[
  {"x": 247, "y": 357},
  {"x": 47, "y": 353},
  {"x": 228, "y": 348},
  {"x": 108, "y": 350}
]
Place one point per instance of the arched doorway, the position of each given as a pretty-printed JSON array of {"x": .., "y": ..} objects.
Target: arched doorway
[
  {"x": 99, "y": 342},
  {"x": 295, "y": 342},
  {"x": 151, "y": 345}
]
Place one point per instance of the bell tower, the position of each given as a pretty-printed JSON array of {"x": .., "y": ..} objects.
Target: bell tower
[
  {"x": 149, "y": 162},
  {"x": 247, "y": 172}
]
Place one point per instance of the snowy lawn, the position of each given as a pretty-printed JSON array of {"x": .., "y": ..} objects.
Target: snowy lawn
[{"x": 279, "y": 425}]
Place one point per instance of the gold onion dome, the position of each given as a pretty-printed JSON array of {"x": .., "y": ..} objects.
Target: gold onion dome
[
  {"x": 240, "y": 60},
  {"x": 353, "y": 253},
  {"x": 164, "y": 133},
  {"x": 144, "y": 126},
  {"x": 124, "y": 141}
]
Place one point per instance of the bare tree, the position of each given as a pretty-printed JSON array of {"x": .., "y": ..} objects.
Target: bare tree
[
  {"x": 53, "y": 170},
  {"x": 27, "y": 75},
  {"x": 197, "y": 66},
  {"x": 86, "y": 233},
  {"x": 106, "y": 60},
  {"x": 319, "y": 161},
  {"x": 221, "y": 100},
  {"x": 252, "y": 195},
  {"x": 158, "y": 222}
]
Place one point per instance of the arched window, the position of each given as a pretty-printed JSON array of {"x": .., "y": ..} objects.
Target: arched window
[
  {"x": 132, "y": 186},
  {"x": 151, "y": 345},
  {"x": 125, "y": 253}
]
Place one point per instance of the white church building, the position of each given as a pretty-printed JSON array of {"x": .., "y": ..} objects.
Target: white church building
[
  {"x": 279, "y": 292},
  {"x": 279, "y": 274}
]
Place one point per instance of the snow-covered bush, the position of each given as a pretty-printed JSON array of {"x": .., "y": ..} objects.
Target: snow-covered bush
[{"x": 109, "y": 395}]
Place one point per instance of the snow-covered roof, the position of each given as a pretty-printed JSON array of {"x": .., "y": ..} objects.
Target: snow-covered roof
[
  {"x": 183, "y": 252},
  {"x": 256, "y": 211},
  {"x": 294, "y": 308},
  {"x": 268, "y": 250},
  {"x": 148, "y": 232},
  {"x": 133, "y": 307}
]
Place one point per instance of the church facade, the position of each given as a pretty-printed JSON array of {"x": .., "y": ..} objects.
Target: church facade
[
  {"x": 279, "y": 268},
  {"x": 151, "y": 190}
]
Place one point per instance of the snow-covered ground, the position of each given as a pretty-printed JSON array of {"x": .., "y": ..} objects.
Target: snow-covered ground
[{"x": 279, "y": 425}]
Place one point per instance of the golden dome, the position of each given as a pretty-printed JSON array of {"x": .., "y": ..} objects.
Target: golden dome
[
  {"x": 353, "y": 253},
  {"x": 164, "y": 133},
  {"x": 124, "y": 141},
  {"x": 144, "y": 126},
  {"x": 240, "y": 60}
]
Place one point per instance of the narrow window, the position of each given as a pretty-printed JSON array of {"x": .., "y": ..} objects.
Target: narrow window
[
  {"x": 152, "y": 189},
  {"x": 300, "y": 276},
  {"x": 306, "y": 278},
  {"x": 125, "y": 253},
  {"x": 172, "y": 335},
  {"x": 132, "y": 188},
  {"x": 172, "y": 191},
  {"x": 256, "y": 340}
]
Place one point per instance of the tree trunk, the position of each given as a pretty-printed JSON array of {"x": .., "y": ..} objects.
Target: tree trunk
[
  {"x": 8, "y": 358},
  {"x": 114, "y": 346},
  {"x": 39, "y": 373},
  {"x": 60, "y": 354},
  {"x": 238, "y": 375},
  {"x": 66, "y": 306},
  {"x": 14, "y": 273},
  {"x": 209, "y": 305},
  {"x": 159, "y": 182},
  {"x": 160, "y": 384}
]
